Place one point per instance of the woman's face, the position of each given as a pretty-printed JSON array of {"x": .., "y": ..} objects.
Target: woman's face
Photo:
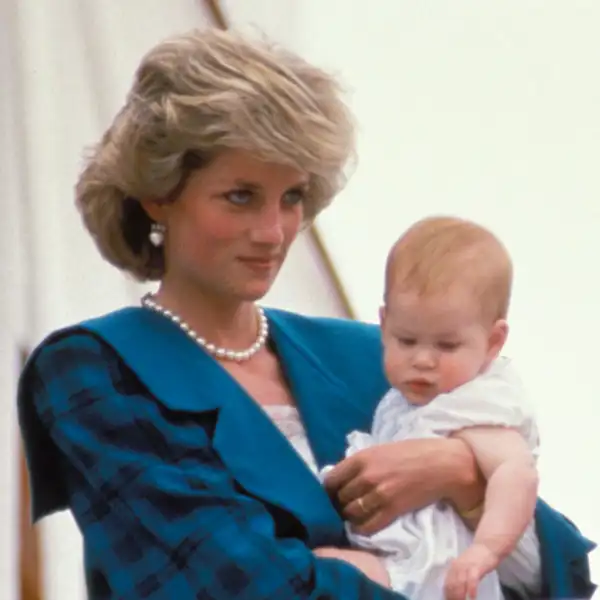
[{"x": 229, "y": 231}]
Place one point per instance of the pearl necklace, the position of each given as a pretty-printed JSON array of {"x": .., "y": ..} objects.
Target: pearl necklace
[{"x": 148, "y": 301}]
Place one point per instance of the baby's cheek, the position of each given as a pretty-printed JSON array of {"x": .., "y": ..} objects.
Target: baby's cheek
[
  {"x": 392, "y": 363},
  {"x": 454, "y": 372}
]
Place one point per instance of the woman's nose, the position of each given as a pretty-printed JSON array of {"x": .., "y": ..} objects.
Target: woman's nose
[{"x": 269, "y": 228}]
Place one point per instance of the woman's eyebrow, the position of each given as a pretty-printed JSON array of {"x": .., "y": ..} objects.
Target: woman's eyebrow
[{"x": 253, "y": 185}]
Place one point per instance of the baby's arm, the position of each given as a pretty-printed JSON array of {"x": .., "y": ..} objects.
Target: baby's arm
[
  {"x": 508, "y": 465},
  {"x": 509, "y": 506}
]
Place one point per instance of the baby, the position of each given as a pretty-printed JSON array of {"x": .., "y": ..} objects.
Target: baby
[{"x": 447, "y": 291}]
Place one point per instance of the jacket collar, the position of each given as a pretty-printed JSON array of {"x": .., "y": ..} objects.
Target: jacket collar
[{"x": 184, "y": 378}]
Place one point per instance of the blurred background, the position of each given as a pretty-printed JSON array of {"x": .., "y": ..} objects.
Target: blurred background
[{"x": 487, "y": 110}]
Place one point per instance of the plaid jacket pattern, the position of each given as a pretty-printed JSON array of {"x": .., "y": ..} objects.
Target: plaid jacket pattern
[{"x": 160, "y": 515}]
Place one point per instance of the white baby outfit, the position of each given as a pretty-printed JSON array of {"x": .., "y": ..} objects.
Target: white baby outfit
[{"x": 420, "y": 545}]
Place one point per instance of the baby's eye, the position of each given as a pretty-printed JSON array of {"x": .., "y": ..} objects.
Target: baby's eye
[
  {"x": 448, "y": 346},
  {"x": 239, "y": 197},
  {"x": 404, "y": 341}
]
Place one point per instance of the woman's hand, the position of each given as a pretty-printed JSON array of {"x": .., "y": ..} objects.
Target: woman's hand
[
  {"x": 369, "y": 564},
  {"x": 377, "y": 485}
]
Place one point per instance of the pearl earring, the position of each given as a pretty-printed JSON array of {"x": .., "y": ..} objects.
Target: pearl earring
[{"x": 157, "y": 234}]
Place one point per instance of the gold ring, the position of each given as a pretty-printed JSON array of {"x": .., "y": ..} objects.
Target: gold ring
[{"x": 361, "y": 503}]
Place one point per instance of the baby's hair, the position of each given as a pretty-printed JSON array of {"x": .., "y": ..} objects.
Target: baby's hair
[{"x": 439, "y": 253}]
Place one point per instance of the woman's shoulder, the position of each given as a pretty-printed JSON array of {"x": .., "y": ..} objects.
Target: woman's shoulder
[
  {"x": 331, "y": 329},
  {"x": 74, "y": 378},
  {"x": 67, "y": 342},
  {"x": 67, "y": 368},
  {"x": 71, "y": 360}
]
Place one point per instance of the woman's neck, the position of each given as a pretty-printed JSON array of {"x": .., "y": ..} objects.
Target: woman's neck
[{"x": 228, "y": 323}]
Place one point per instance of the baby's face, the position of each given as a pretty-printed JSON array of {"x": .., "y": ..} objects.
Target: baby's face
[{"x": 433, "y": 345}]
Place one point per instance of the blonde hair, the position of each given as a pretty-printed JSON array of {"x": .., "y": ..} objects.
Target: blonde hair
[
  {"x": 192, "y": 96},
  {"x": 438, "y": 253}
]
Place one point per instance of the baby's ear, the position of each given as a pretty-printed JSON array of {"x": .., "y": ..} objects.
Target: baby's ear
[{"x": 497, "y": 338}]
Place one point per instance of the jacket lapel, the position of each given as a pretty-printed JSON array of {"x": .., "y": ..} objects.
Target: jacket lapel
[
  {"x": 329, "y": 409},
  {"x": 184, "y": 378}
]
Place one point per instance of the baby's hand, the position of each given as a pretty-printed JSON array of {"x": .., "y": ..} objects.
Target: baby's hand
[{"x": 468, "y": 570}]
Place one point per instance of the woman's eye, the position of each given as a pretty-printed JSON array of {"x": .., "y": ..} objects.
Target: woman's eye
[
  {"x": 239, "y": 197},
  {"x": 294, "y": 197}
]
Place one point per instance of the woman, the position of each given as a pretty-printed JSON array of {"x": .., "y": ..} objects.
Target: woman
[{"x": 184, "y": 434}]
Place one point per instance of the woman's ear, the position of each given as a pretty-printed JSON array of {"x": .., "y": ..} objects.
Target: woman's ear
[
  {"x": 497, "y": 338},
  {"x": 155, "y": 209}
]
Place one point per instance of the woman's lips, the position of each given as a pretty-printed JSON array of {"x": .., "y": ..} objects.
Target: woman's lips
[{"x": 259, "y": 263}]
